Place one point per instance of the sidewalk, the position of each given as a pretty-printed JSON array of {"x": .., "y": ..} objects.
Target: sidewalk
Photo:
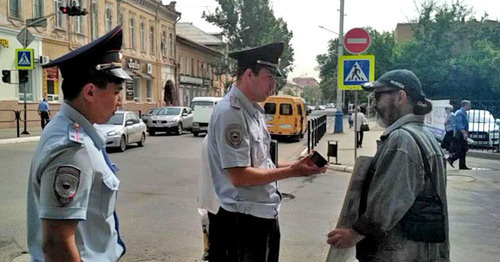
[
  {"x": 9, "y": 135},
  {"x": 346, "y": 146}
]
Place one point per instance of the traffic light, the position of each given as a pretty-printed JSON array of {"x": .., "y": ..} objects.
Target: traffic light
[
  {"x": 6, "y": 76},
  {"x": 73, "y": 10},
  {"x": 23, "y": 76}
]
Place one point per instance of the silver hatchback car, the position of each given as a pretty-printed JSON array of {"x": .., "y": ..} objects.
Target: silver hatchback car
[{"x": 122, "y": 129}]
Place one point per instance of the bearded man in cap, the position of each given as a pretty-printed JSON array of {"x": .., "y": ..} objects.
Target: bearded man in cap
[
  {"x": 246, "y": 227},
  {"x": 72, "y": 186},
  {"x": 403, "y": 212}
]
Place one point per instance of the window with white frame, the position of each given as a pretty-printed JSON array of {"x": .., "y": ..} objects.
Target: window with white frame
[
  {"x": 79, "y": 20},
  {"x": 109, "y": 18},
  {"x": 164, "y": 43},
  {"x": 171, "y": 45},
  {"x": 15, "y": 8},
  {"x": 131, "y": 33},
  {"x": 152, "y": 40},
  {"x": 94, "y": 21},
  {"x": 37, "y": 8},
  {"x": 137, "y": 89},
  {"x": 143, "y": 37},
  {"x": 150, "y": 90},
  {"x": 188, "y": 66},
  {"x": 60, "y": 18}
]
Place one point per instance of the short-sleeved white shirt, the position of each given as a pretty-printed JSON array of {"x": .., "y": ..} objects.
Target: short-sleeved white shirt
[
  {"x": 93, "y": 204},
  {"x": 238, "y": 137}
]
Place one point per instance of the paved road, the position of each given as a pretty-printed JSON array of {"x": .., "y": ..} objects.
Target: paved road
[{"x": 157, "y": 204}]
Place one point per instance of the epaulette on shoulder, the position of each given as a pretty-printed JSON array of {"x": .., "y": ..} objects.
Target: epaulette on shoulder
[
  {"x": 234, "y": 102},
  {"x": 75, "y": 133}
]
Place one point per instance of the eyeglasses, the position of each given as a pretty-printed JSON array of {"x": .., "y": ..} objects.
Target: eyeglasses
[{"x": 378, "y": 94}]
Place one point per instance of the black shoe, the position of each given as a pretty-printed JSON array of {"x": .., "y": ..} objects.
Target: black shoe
[
  {"x": 450, "y": 162},
  {"x": 465, "y": 168}
]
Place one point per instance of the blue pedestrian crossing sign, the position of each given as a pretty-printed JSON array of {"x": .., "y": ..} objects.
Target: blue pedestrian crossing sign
[
  {"x": 356, "y": 70},
  {"x": 24, "y": 59}
]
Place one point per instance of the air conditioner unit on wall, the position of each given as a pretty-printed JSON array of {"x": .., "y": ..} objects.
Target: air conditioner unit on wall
[
  {"x": 44, "y": 60},
  {"x": 150, "y": 69}
]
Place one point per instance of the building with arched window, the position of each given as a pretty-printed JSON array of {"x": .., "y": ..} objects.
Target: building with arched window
[{"x": 143, "y": 23}]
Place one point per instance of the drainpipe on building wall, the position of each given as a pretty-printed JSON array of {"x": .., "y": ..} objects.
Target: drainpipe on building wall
[{"x": 176, "y": 64}]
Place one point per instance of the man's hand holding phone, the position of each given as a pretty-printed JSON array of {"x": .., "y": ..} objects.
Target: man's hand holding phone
[{"x": 311, "y": 164}]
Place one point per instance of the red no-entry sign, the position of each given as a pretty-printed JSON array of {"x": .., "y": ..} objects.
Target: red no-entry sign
[{"x": 356, "y": 41}]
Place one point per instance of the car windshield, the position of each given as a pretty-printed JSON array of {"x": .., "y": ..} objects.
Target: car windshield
[
  {"x": 195, "y": 104},
  {"x": 116, "y": 119},
  {"x": 170, "y": 111},
  {"x": 153, "y": 111}
]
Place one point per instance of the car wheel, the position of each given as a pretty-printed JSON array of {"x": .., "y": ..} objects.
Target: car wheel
[
  {"x": 195, "y": 133},
  {"x": 123, "y": 144},
  {"x": 151, "y": 133},
  {"x": 143, "y": 140},
  {"x": 179, "y": 129}
]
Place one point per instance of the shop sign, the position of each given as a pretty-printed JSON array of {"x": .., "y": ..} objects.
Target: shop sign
[
  {"x": 133, "y": 64},
  {"x": 191, "y": 80},
  {"x": 4, "y": 42}
]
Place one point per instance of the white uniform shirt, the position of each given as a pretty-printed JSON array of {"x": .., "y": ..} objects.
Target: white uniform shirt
[
  {"x": 238, "y": 137},
  {"x": 70, "y": 179}
]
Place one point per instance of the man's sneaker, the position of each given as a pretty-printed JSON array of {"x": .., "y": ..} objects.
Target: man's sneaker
[{"x": 450, "y": 162}]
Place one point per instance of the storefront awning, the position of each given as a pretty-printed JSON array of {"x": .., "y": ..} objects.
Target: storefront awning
[{"x": 145, "y": 76}]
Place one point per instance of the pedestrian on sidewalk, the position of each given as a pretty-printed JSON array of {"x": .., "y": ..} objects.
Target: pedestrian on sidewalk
[
  {"x": 449, "y": 127},
  {"x": 460, "y": 136},
  {"x": 246, "y": 226},
  {"x": 44, "y": 112},
  {"x": 361, "y": 119},
  {"x": 73, "y": 185},
  {"x": 403, "y": 212}
]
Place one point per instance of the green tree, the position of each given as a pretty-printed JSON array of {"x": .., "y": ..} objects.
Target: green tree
[{"x": 248, "y": 23}]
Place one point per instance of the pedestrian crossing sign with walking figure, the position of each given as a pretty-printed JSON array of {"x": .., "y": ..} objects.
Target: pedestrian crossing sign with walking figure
[
  {"x": 356, "y": 70},
  {"x": 24, "y": 59}
]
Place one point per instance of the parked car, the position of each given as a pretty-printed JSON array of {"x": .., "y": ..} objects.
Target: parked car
[
  {"x": 171, "y": 119},
  {"x": 330, "y": 105},
  {"x": 203, "y": 107},
  {"x": 151, "y": 112},
  {"x": 483, "y": 128},
  {"x": 320, "y": 107},
  {"x": 122, "y": 129}
]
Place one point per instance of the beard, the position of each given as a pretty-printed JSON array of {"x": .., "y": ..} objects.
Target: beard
[{"x": 388, "y": 115}]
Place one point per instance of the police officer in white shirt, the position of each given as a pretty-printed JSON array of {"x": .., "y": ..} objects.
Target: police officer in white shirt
[
  {"x": 246, "y": 227},
  {"x": 72, "y": 186}
]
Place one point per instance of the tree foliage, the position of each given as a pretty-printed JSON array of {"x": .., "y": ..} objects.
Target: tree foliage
[
  {"x": 249, "y": 23},
  {"x": 454, "y": 55}
]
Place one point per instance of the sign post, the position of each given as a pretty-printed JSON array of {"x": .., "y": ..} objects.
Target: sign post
[{"x": 24, "y": 61}]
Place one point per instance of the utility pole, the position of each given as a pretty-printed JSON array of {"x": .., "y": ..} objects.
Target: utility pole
[{"x": 339, "y": 116}]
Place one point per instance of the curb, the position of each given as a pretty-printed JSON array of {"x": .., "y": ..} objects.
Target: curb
[
  {"x": 341, "y": 168},
  {"x": 19, "y": 140}
]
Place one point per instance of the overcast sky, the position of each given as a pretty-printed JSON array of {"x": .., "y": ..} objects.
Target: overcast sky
[{"x": 305, "y": 17}]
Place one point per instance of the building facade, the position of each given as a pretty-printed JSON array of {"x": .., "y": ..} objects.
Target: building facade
[
  {"x": 200, "y": 62},
  {"x": 149, "y": 49}
]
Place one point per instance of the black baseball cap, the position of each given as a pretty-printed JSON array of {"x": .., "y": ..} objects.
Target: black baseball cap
[
  {"x": 265, "y": 55},
  {"x": 102, "y": 54},
  {"x": 402, "y": 79}
]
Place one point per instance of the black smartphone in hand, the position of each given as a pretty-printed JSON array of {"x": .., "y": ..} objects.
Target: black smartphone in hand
[{"x": 318, "y": 160}]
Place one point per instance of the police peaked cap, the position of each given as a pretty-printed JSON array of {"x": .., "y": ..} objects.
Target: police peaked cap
[
  {"x": 102, "y": 54},
  {"x": 265, "y": 55}
]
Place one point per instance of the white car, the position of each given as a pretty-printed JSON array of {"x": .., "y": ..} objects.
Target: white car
[
  {"x": 122, "y": 129},
  {"x": 483, "y": 128},
  {"x": 171, "y": 119}
]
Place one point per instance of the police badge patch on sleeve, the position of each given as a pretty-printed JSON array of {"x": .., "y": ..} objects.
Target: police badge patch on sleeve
[
  {"x": 234, "y": 135},
  {"x": 66, "y": 183}
]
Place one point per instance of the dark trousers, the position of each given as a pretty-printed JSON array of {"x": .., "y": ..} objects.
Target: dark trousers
[
  {"x": 460, "y": 148},
  {"x": 44, "y": 118},
  {"x": 359, "y": 135},
  {"x": 447, "y": 140},
  {"x": 236, "y": 237}
]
